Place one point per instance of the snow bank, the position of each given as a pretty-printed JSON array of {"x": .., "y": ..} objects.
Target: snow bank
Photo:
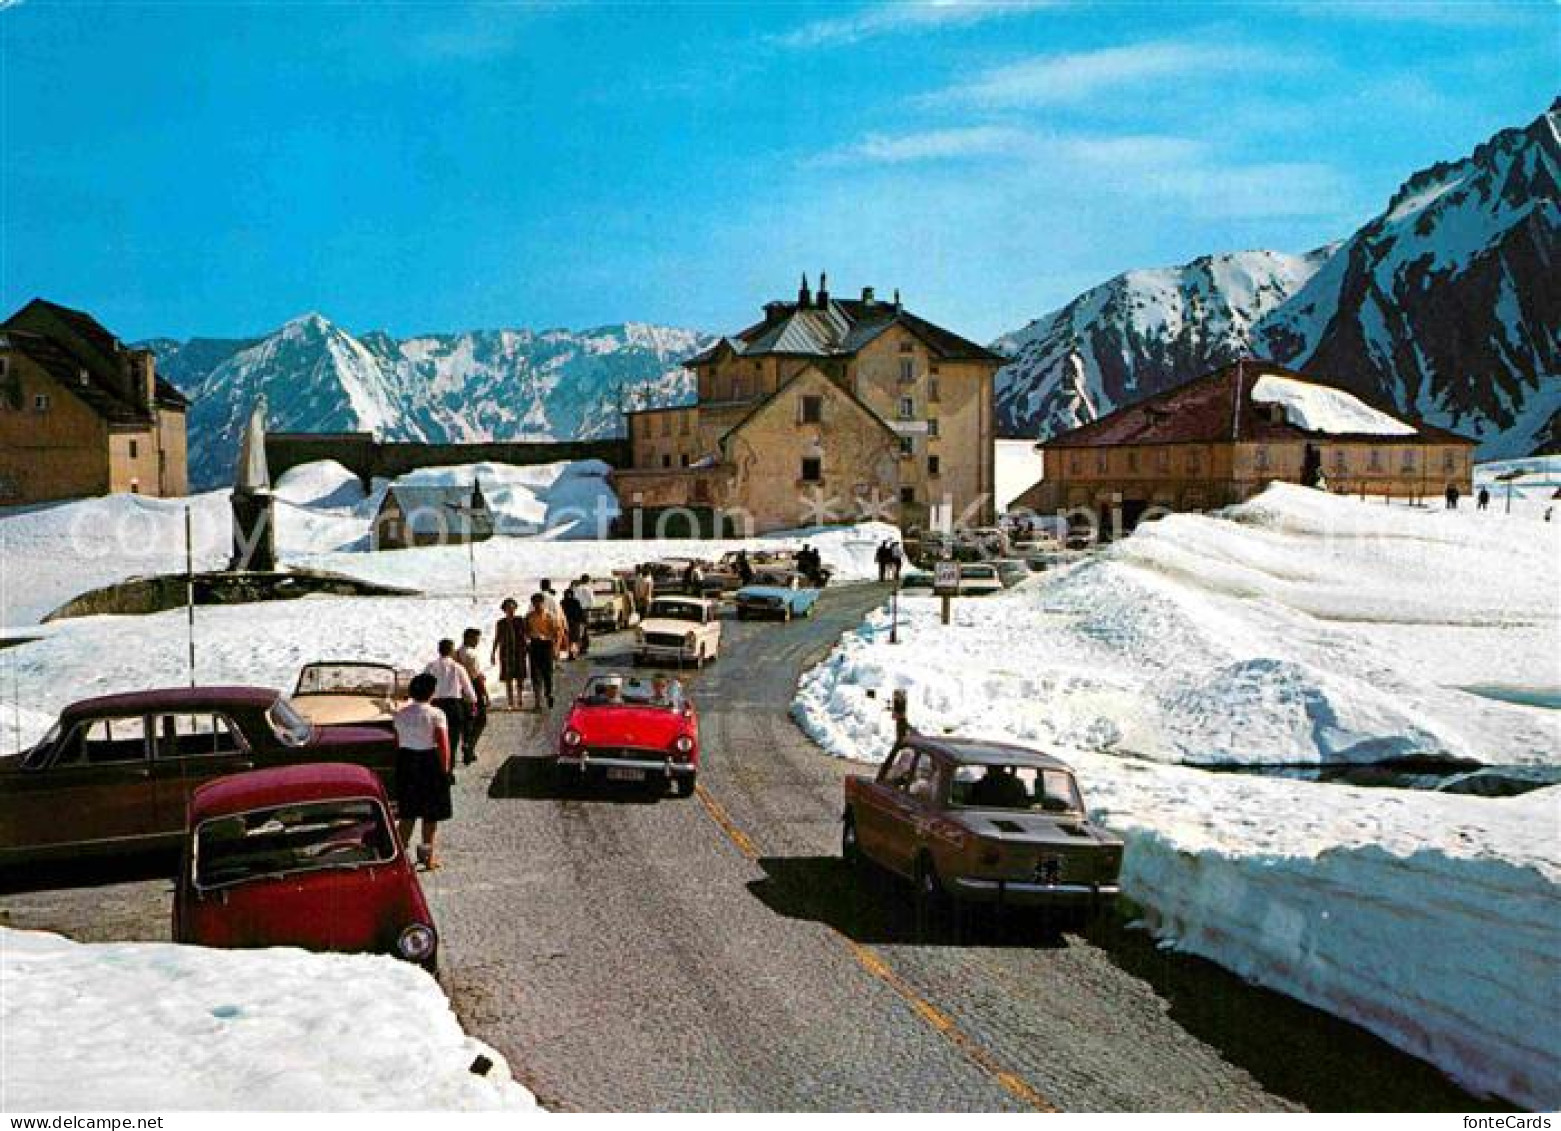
[
  {"x": 1318, "y": 408},
  {"x": 1017, "y": 468},
  {"x": 324, "y": 483},
  {"x": 1298, "y": 627},
  {"x": 153, "y": 1026},
  {"x": 565, "y": 500}
]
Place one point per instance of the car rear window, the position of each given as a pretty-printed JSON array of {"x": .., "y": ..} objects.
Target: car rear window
[
  {"x": 1017, "y": 788},
  {"x": 289, "y": 839}
]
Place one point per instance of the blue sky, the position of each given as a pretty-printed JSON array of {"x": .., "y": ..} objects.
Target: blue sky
[{"x": 214, "y": 169}]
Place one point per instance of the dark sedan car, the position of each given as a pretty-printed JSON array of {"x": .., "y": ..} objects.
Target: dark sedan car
[{"x": 115, "y": 774}]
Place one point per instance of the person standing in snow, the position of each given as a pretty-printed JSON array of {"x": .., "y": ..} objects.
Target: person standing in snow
[
  {"x": 881, "y": 557},
  {"x": 423, "y": 767},
  {"x": 1451, "y": 495},
  {"x": 1483, "y": 499},
  {"x": 509, "y": 651},
  {"x": 467, "y": 656},
  {"x": 453, "y": 691}
]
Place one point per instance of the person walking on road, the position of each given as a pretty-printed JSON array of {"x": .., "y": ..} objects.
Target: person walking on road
[
  {"x": 644, "y": 591},
  {"x": 550, "y": 599},
  {"x": 744, "y": 568},
  {"x": 574, "y": 618},
  {"x": 693, "y": 580},
  {"x": 509, "y": 651},
  {"x": 587, "y": 598},
  {"x": 468, "y": 657},
  {"x": 546, "y": 638},
  {"x": 453, "y": 692},
  {"x": 423, "y": 773}
]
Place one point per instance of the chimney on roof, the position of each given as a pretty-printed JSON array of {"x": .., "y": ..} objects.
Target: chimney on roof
[
  {"x": 823, "y": 290},
  {"x": 804, "y": 296},
  {"x": 867, "y": 296},
  {"x": 897, "y": 300}
]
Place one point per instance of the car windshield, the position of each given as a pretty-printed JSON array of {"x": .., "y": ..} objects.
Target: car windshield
[
  {"x": 675, "y": 610},
  {"x": 288, "y": 839},
  {"x": 291, "y": 728},
  {"x": 603, "y": 587},
  {"x": 377, "y": 680},
  {"x": 631, "y": 691},
  {"x": 1017, "y": 788}
]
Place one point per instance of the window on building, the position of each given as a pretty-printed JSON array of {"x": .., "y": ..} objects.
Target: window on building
[
  {"x": 666, "y": 424},
  {"x": 932, "y": 426},
  {"x": 684, "y": 459},
  {"x": 907, "y": 408},
  {"x": 934, "y": 465},
  {"x": 41, "y": 402},
  {"x": 1374, "y": 461},
  {"x": 1075, "y": 464},
  {"x": 666, "y": 459},
  {"x": 1262, "y": 457},
  {"x": 812, "y": 469},
  {"x": 1409, "y": 459},
  {"x": 1132, "y": 462},
  {"x": 737, "y": 386},
  {"x": 907, "y": 446},
  {"x": 1341, "y": 462},
  {"x": 934, "y": 389},
  {"x": 1162, "y": 460},
  {"x": 135, "y": 449},
  {"x": 757, "y": 365},
  {"x": 135, "y": 486},
  {"x": 907, "y": 494},
  {"x": 1449, "y": 460},
  {"x": 1100, "y": 462},
  {"x": 907, "y": 371},
  {"x": 812, "y": 410},
  {"x": 907, "y": 347},
  {"x": 934, "y": 368}
]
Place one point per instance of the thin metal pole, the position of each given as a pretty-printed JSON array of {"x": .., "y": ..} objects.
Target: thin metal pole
[{"x": 189, "y": 584}]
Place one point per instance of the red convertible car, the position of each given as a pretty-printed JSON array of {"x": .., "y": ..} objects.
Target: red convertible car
[
  {"x": 300, "y": 856},
  {"x": 115, "y": 774},
  {"x": 632, "y": 729}
]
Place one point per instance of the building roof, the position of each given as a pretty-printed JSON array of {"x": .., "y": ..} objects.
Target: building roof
[
  {"x": 1219, "y": 408},
  {"x": 763, "y": 402},
  {"x": 442, "y": 510},
  {"x": 839, "y": 328},
  {"x": 66, "y": 343}
]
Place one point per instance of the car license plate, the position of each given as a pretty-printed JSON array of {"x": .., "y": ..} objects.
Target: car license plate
[{"x": 618, "y": 773}]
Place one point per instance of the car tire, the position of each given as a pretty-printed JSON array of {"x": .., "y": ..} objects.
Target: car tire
[
  {"x": 850, "y": 846},
  {"x": 931, "y": 899},
  {"x": 683, "y": 785}
]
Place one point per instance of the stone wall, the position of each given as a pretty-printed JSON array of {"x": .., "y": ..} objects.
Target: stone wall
[{"x": 366, "y": 457}]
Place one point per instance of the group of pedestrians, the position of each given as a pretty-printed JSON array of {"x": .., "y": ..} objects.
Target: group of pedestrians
[
  {"x": 1482, "y": 499},
  {"x": 890, "y": 559}
]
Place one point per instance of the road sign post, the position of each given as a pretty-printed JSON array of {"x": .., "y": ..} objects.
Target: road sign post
[{"x": 945, "y": 583}]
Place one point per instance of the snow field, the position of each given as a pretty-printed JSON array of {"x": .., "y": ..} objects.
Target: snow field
[{"x": 234, "y": 1030}]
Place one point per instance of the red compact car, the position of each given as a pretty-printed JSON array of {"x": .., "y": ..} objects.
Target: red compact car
[
  {"x": 300, "y": 856},
  {"x": 632, "y": 729}
]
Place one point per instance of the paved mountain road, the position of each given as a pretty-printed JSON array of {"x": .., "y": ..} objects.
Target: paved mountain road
[{"x": 626, "y": 951}]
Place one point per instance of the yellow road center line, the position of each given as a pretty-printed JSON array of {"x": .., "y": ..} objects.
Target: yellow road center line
[{"x": 872, "y": 962}]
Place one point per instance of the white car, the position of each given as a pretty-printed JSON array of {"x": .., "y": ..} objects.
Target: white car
[
  {"x": 978, "y": 579},
  {"x": 678, "y": 630}
]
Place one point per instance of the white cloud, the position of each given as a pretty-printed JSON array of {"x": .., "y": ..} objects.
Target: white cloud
[
  {"x": 904, "y": 15},
  {"x": 1048, "y": 80},
  {"x": 931, "y": 145}
]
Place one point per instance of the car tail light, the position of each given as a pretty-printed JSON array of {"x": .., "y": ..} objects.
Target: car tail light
[
  {"x": 572, "y": 737},
  {"x": 416, "y": 942}
]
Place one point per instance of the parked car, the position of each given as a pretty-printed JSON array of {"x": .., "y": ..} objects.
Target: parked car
[
  {"x": 679, "y": 630},
  {"x": 300, "y": 856},
  {"x": 917, "y": 582},
  {"x": 981, "y": 822},
  {"x": 620, "y": 729},
  {"x": 778, "y": 593},
  {"x": 613, "y": 608},
  {"x": 1011, "y": 571},
  {"x": 350, "y": 693},
  {"x": 668, "y": 573},
  {"x": 979, "y": 579},
  {"x": 115, "y": 774}
]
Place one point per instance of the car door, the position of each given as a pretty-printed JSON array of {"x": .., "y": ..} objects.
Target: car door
[
  {"x": 912, "y": 807},
  {"x": 97, "y": 787},
  {"x": 878, "y": 805},
  {"x": 188, "y": 749}
]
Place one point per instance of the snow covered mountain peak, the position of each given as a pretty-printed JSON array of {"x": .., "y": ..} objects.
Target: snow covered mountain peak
[{"x": 510, "y": 384}]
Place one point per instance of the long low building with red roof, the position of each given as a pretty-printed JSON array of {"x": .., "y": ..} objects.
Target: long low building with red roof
[{"x": 1226, "y": 436}]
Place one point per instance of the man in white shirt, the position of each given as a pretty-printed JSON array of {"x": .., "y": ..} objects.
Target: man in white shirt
[
  {"x": 469, "y": 657},
  {"x": 453, "y": 692}
]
